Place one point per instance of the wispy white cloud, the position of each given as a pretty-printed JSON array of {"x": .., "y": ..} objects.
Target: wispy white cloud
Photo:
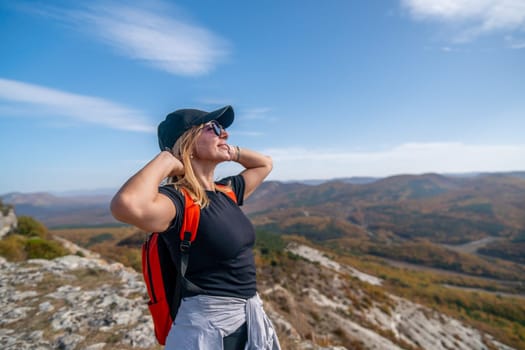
[
  {"x": 515, "y": 43},
  {"x": 256, "y": 113},
  {"x": 151, "y": 34},
  {"x": 473, "y": 18},
  {"x": 410, "y": 158},
  {"x": 19, "y": 98}
]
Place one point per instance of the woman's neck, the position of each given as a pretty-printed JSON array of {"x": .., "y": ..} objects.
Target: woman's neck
[
  {"x": 207, "y": 183},
  {"x": 205, "y": 176}
]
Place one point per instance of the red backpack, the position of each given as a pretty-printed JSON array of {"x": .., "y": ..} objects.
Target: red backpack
[{"x": 163, "y": 276}]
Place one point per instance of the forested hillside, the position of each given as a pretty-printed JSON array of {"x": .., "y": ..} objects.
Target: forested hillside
[{"x": 418, "y": 219}]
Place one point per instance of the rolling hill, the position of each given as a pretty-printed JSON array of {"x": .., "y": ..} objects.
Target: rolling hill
[
  {"x": 409, "y": 218},
  {"x": 394, "y": 217}
]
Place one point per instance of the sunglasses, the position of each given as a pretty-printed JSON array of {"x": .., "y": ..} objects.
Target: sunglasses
[{"x": 215, "y": 126}]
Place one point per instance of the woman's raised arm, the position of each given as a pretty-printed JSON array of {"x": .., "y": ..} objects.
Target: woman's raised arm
[
  {"x": 139, "y": 203},
  {"x": 257, "y": 165}
]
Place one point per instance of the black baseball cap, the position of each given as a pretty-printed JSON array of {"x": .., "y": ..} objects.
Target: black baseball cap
[{"x": 178, "y": 122}]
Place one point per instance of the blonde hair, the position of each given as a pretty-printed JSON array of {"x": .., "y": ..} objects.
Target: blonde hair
[{"x": 183, "y": 150}]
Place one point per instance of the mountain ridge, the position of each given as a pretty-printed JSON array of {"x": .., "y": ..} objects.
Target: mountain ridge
[
  {"x": 443, "y": 210},
  {"x": 109, "y": 192}
]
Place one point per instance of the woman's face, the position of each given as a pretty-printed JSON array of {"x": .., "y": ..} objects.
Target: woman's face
[{"x": 211, "y": 143}]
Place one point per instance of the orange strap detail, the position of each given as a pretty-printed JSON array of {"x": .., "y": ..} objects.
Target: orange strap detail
[
  {"x": 192, "y": 214},
  {"x": 228, "y": 191}
]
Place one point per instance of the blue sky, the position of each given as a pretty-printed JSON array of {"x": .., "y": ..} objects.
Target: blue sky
[{"x": 327, "y": 88}]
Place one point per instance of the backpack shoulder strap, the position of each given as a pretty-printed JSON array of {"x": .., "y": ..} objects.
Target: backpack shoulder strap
[
  {"x": 188, "y": 233},
  {"x": 190, "y": 223},
  {"x": 228, "y": 191}
]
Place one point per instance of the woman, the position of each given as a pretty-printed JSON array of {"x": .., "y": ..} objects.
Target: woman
[{"x": 193, "y": 142}]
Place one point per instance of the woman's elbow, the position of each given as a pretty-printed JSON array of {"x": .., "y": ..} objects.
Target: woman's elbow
[
  {"x": 121, "y": 208},
  {"x": 269, "y": 163}
]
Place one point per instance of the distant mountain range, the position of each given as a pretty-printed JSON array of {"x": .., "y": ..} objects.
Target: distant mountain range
[
  {"x": 421, "y": 219},
  {"x": 56, "y": 211},
  {"x": 448, "y": 209},
  {"x": 91, "y": 207}
]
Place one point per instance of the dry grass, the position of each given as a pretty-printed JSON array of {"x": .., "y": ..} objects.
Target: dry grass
[{"x": 83, "y": 236}]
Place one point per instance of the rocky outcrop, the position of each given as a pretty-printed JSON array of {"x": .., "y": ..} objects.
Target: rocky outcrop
[
  {"x": 409, "y": 323},
  {"x": 73, "y": 302},
  {"x": 8, "y": 222}
]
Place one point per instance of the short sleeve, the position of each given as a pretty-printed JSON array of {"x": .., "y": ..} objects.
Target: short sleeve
[
  {"x": 178, "y": 201},
  {"x": 237, "y": 184}
]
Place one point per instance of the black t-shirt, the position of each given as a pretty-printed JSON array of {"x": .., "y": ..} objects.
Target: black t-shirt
[{"x": 221, "y": 257}]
